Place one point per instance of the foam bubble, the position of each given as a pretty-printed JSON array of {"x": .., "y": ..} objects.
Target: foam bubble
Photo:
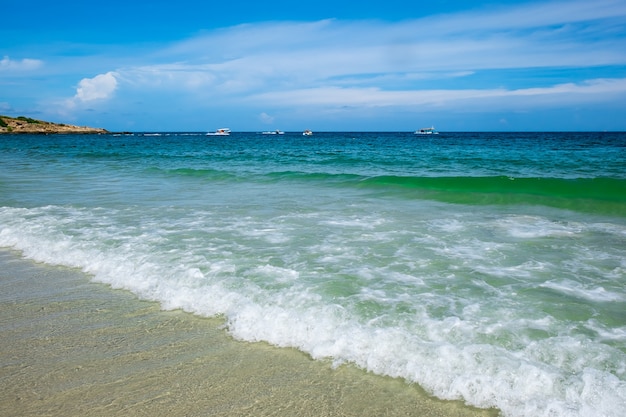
[
  {"x": 578, "y": 290},
  {"x": 533, "y": 227}
]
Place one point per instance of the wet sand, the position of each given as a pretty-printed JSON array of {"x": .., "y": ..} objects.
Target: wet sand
[{"x": 72, "y": 347}]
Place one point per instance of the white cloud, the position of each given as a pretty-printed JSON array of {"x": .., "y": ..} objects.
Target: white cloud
[
  {"x": 266, "y": 118},
  {"x": 281, "y": 56},
  {"x": 376, "y": 97},
  {"x": 26, "y": 64},
  {"x": 97, "y": 88},
  {"x": 552, "y": 13}
]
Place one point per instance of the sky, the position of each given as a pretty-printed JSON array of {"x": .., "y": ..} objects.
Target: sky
[{"x": 325, "y": 65}]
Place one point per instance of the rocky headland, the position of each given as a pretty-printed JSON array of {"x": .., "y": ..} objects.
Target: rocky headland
[{"x": 23, "y": 124}]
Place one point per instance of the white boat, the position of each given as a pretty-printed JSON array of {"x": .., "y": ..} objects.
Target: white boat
[
  {"x": 273, "y": 132},
  {"x": 307, "y": 133},
  {"x": 224, "y": 131},
  {"x": 426, "y": 131}
]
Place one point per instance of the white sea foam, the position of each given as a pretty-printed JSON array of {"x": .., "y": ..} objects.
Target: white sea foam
[
  {"x": 611, "y": 334},
  {"x": 530, "y": 227},
  {"x": 447, "y": 327},
  {"x": 448, "y": 225},
  {"x": 575, "y": 289}
]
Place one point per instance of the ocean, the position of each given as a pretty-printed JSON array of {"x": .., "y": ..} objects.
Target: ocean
[{"x": 484, "y": 267}]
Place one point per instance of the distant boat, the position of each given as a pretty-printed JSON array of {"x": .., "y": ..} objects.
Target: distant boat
[
  {"x": 224, "y": 131},
  {"x": 307, "y": 133},
  {"x": 426, "y": 131},
  {"x": 273, "y": 132}
]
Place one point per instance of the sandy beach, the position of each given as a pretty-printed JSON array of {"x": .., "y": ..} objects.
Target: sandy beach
[{"x": 72, "y": 347}]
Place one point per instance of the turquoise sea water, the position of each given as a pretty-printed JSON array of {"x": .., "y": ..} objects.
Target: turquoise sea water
[{"x": 487, "y": 267}]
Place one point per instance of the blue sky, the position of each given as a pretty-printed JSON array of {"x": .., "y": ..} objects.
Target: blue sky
[{"x": 326, "y": 65}]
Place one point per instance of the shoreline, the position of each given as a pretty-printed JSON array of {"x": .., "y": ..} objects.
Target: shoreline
[
  {"x": 73, "y": 347},
  {"x": 27, "y": 125}
]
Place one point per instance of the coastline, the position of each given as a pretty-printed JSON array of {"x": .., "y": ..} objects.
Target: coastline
[
  {"x": 27, "y": 125},
  {"x": 72, "y": 347}
]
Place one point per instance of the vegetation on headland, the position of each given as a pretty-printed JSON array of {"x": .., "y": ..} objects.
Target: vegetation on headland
[{"x": 24, "y": 124}]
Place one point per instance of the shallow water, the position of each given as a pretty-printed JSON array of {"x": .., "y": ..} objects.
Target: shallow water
[{"x": 74, "y": 348}]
